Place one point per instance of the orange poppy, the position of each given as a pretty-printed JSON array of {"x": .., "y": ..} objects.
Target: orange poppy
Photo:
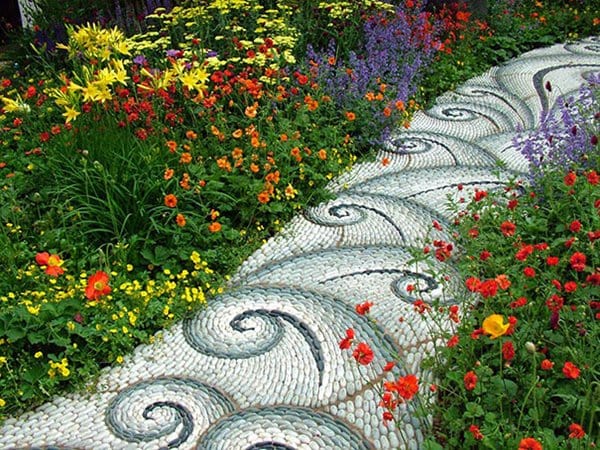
[
  {"x": 263, "y": 197},
  {"x": 180, "y": 219},
  {"x": 350, "y": 116},
  {"x": 186, "y": 158},
  {"x": 172, "y": 146},
  {"x": 97, "y": 286}
]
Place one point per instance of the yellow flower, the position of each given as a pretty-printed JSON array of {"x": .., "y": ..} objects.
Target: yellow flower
[
  {"x": 494, "y": 326},
  {"x": 2, "y": 403},
  {"x": 70, "y": 114},
  {"x": 38, "y": 355}
]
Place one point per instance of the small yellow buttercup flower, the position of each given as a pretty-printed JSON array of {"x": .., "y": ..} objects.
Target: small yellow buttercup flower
[{"x": 494, "y": 326}]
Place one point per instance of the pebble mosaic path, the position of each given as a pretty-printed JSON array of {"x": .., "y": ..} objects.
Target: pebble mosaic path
[{"x": 260, "y": 367}]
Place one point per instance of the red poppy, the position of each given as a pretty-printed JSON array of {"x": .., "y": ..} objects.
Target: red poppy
[
  {"x": 363, "y": 308},
  {"x": 530, "y": 444},
  {"x": 97, "y": 286},
  {"x": 53, "y": 263},
  {"x": 570, "y": 370},
  {"x": 578, "y": 261},
  {"x": 470, "y": 380},
  {"x": 363, "y": 353},
  {"x": 508, "y": 228},
  {"x": 476, "y": 432},
  {"x": 576, "y": 431}
]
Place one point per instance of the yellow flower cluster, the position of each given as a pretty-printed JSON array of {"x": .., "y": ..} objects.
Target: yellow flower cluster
[
  {"x": 59, "y": 367},
  {"x": 343, "y": 9},
  {"x": 94, "y": 42}
]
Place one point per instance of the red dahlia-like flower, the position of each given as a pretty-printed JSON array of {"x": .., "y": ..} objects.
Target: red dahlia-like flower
[
  {"x": 473, "y": 284},
  {"x": 508, "y": 351},
  {"x": 575, "y": 226},
  {"x": 363, "y": 308},
  {"x": 524, "y": 252},
  {"x": 363, "y": 354},
  {"x": 407, "y": 386},
  {"x": 546, "y": 364},
  {"x": 508, "y": 228},
  {"x": 570, "y": 370},
  {"x": 570, "y": 179},
  {"x": 488, "y": 288},
  {"x": 578, "y": 261},
  {"x": 530, "y": 444},
  {"x": 474, "y": 430},
  {"x": 347, "y": 341},
  {"x": 470, "y": 380},
  {"x": 576, "y": 431},
  {"x": 97, "y": 286},
  {"x": 529, "y": 272}
]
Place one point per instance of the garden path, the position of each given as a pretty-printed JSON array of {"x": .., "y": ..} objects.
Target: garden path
[{"x": 260, "y": 367}]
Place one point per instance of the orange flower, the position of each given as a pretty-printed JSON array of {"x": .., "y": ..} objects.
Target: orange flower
[
  {"x": 185, "y": 181},
  {"x": 363, "y": 353},
  {"x": 250, "y": 111},
  {"x": 237, "y": 153},
  {"x": 254, "y": 168},
  {"x": 400, "y": 105},
  {"x": 470, "y": 380},
  {"x": 322, "y": 154},
  {"x": 172, "y": 146},
  {"x": 186, "y": 158},
  {"x": 570, "y": 370},
  {"x": 273, "y": 177},
  {"x": 180, "y": 219},
  {"x": 53, "y": 263},
  {"x": 237, "y": 133},
  {"x": 295, "y": 152},
  {"x": 350, "y": 116},
  {"x": 283, "y": 137},
  {"x": 214, "y": 227},
  {"x": 191, "y": 135},
  {"x": 263, "y": 197},
  {"x": 503, "y": 282},
  {"x": 385, "y": 162},
  {"x": 224, "y": 164},
  {"x": 170, "y": 201},
  {"x": 387, "y": 112},
  {"x": 97, "y": 286},
  {"x": 168, "y": 174},
  {"x": 530, "y": 444}
]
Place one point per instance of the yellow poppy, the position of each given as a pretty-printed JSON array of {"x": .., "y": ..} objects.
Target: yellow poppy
[{"x": 494, "y": 326}]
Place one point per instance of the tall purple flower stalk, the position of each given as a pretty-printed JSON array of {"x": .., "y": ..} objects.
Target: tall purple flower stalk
[
  {"x": 396, "y": 51},
  {"x": 567, "y": 138}
]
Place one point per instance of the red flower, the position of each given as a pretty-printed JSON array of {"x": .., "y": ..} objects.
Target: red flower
[
  {"x": 593, "y": 279},
  {"x": 524, "y": 252},
  {"x": 474, "y": 429},
  {"x": 479, "y": 195},
  {"x": 593, "y": 177},
  {"x": 570, "y": 286},
  {"x": 363, "y": 353},
  {"x": 503, "y": 282},
  {"x": 420, "y": 306},
  {"x": 570, "y": 179},
  {"x": 555, "y": 303},
  {"x": 576, "y": 431},
  {"x": 389, "y": 366},
  {"x": 552, "y": 260},
  {"x": 518, "y": 303},
  {"x": 97, "y": 286},
  {"x": 570, "y": 370},
  {"x": 547, "y": 364},
  {"x": 363, "y": 308},
  {"x": 407, "y": 386},
  {"x": 578, "y": 261},
  {"x": 473, "y": 284},
  {"x": 508, "y": 228},
  {"x": 530, "y": 444},
  {"x": 575, "y": 226},
  {"x": 529, "y": 272},
  {"x": 488, "y": 288},
  {"x": 470, "y": 380},
  {"x": 387, "y": 416},
  {"x": 347, "y": 341},
  {"x": 476, "y": 333},
  {"x": 508, "y": 351},
  {"x": 453, "y": 341},
  {"x": 484, "y": 255}
]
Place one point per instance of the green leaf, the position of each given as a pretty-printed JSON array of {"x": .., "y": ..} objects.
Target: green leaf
[{"x": 473, "y": 410}]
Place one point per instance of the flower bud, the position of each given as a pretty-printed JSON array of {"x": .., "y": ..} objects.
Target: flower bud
[{"x": 530, "y": 347}]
